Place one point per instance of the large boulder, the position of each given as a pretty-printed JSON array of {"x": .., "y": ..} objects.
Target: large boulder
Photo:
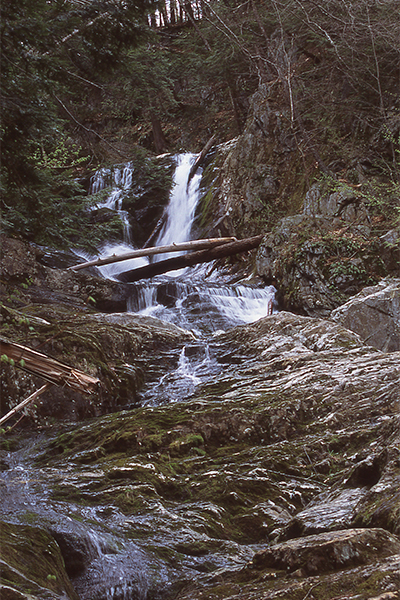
[
  {"x": 321, "y": 257},
  {"x": 27, "y": 279},
  {"x": 326, "y": 552},
  {"x": 374, "y": 314}
]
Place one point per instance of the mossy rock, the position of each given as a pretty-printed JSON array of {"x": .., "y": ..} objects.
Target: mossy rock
[{"x": 32, "y": 564}]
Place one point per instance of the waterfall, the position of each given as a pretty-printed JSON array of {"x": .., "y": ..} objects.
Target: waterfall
[
  {"x": 120, "y": 180},
  {"x": 182, "y": 206},
  {"x": 184, "y": 297}
]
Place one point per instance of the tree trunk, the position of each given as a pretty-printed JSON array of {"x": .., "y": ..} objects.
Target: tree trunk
[
  {"x": 195, "y": 244},
  {"x": 200, "y": 159},
  {"x": 48, "y": 368},
  {"x": 188, "y": 260},
  {"x": 158, "y": 136}
]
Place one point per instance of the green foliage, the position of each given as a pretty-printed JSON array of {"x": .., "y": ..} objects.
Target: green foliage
[
  {"x": 331, "y": 71},
  {"x": 48, "y": 51},
  {"x": 381, "y": 197}
]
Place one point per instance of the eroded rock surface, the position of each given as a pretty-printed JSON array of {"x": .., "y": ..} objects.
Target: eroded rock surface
[
  {"x": 293, "y": 447},
  {"x": 327, "y": 253},
  {"x": 374, "y": 314},
  {"x": 57, "y": 313},
  {"x": 279, "y": 477}
]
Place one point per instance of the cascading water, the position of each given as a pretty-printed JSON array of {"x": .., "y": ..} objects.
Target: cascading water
[
  {"x": 182, "y": 205},
  {"x": 124, "y": 554},
  {"x": 184, "y": 297},
  {"x": 120, "y": 181}
]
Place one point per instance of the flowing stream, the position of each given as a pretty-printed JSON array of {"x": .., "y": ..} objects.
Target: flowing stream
[
  {"x": 187, "y": 297},
  {"x": 126, "y": 553}
]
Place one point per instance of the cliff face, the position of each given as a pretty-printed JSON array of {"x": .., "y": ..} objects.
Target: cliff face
[
  {"x": 330, "y": 227},
  {"x": 257, "y": 177}
]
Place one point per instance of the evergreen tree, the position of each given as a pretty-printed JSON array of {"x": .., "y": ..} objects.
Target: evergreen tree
[{"x": 50, "y": 53}]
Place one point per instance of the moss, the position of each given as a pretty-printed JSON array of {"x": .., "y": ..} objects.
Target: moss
[
  {"x": 185, "y": 444},
  {"x": 33, "y": 560}
]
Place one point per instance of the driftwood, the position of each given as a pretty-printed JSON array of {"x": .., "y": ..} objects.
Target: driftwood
[
  {"x": 188, "y": 260},
  {"x": 199, "y": 160},
  {"x": 195, "y": 244},
  {"x": 24, "y": 403},
  {"x": 47, "y": 368}
]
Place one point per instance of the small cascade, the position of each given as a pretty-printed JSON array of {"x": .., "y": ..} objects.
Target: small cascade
[
  {"x": 194, "y": 367},
  {"x": 120, "y": 180}
]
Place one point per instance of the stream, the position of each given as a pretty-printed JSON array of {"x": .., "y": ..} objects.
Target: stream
[{"x": 109, "y": 555}]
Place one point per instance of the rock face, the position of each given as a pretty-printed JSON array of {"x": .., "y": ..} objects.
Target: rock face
[
  {"x": 326, "y": 552},
  {"x": 374, "y": 314},
  {"x": 326, "y": 254},
  {"x": 325, "y": 240},
  {"x": 294, "y": 446},
  {"x": 255, "y": 173},
  {"x": 33, "y": 565},
  {"x": 28, "y": 280}
]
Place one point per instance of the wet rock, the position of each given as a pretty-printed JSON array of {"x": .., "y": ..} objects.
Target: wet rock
[
  {"x": 380, "y": 506},
  {"x": 316, "y": 554},
  {"x": 374, "y": 314},
  {"x": 111, "y": 347},
  {"x": 295, "y": 438},
  {"x": 56, "y": 259},
  {"x": 32, "y": 565},
  {"x": 326, "y": 512},
  {"x": 76, "y": 551},
  {"x": 26, "y": 280},
  {"x": 287, "y": 334}
]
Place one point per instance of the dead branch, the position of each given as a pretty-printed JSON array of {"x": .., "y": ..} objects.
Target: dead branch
[
  {"x": 47, "y": 368},
  {"x": 24, "y": 403},
  {"x": 200, "y": 159}
]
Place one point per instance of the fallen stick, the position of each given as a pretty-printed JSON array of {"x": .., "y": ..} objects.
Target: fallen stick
[
  {"x": 24, "y": 403},
  {"x": 188, "y": 260},
  {"x": 200, "y": 159},
  {"x": 195, "y": 244}
]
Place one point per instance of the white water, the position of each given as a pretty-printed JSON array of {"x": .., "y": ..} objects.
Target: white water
[
  {"x": 120, "y": 181},
  {"x": 192, "y": 301},
  {"x": 182, "y": 205}
]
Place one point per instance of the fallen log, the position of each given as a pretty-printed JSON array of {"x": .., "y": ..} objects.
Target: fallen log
[
  {"x": 24, "y": 403},
  {"x": 188, "y": 260},
  {"x": 48, "y": 368},
  {"x": 195, "y": 244}
]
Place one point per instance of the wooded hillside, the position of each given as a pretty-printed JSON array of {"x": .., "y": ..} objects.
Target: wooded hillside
[{"x": 85, "y": 83}]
